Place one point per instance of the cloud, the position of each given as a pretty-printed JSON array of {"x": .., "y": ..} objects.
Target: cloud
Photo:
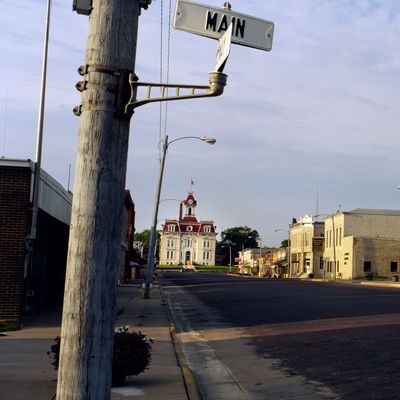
[{"x": 318, "y": 111}]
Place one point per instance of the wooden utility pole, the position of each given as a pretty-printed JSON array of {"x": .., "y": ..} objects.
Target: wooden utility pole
[{"x": 95, "y": 233}]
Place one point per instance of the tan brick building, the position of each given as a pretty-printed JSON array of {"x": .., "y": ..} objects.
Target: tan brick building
[
  {"x": 306, "y": 247},
  {"x": 362, "y": 241}
]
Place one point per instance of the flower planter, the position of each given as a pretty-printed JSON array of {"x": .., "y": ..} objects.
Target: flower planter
[{"x": 131, "y": 354}]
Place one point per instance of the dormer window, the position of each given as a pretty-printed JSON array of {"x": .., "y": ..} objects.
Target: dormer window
[
  {"x": 189, "y": 229},
  {"x": 207, "y": 229},
  {"x": 171, "y": 228}
]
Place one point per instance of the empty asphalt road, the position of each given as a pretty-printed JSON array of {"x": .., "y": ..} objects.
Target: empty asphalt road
[{"x": 342, "y": 337}]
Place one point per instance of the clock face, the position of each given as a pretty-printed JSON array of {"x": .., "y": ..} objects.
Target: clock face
[{"x": 190, "y": 201}]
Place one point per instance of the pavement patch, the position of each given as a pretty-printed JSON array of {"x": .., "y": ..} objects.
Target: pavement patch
[{"x": 127, "y": 391}]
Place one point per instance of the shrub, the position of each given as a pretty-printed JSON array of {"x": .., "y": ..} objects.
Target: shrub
[
  {"x": 131, "y": 356},
  {"x": 369, "y": 276},
  {"x": 8, "y": 326},
  {"x": 132, "y": 352}
]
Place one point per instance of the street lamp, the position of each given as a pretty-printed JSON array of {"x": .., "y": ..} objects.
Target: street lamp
[
  {"x": 288, "y": 248},
  {"x": 229, "y": 245},
  {"x": 153, "y": 231}
]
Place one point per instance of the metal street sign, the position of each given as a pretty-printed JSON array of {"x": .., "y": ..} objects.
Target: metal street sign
[
  {"x": 212, "y": 22},
  {"x": 224, "y": 49}
]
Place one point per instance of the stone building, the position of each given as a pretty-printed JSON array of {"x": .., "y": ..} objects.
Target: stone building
[
  {"x": 306, "y": 247},
  {"x": 360, "y": 242},
  {"x": 187, "y": 241}
]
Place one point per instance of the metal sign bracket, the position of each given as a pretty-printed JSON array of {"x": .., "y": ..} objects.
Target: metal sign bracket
[{"x": 215, "y": 88}]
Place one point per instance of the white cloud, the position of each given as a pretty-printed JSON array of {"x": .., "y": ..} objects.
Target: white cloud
[{"x": 319, "y": 110}]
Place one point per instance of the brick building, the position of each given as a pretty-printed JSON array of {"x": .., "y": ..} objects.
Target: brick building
[
  {"x": 32, "y": 274},
  {"x": 31, "y": 279}
]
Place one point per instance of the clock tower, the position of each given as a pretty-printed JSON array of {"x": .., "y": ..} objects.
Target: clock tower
[{"x": 189, "y": 206}]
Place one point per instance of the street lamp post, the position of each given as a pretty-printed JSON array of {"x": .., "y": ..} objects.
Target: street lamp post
[
  {"x": 153, "y": 231},
  {"x": 229, "y": 244}
]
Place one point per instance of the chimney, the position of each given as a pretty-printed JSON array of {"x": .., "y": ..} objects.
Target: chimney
[{"x": 180, "y": 212}]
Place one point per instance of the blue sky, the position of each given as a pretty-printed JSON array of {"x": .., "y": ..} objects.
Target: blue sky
[{"x": 318, "y": 112}]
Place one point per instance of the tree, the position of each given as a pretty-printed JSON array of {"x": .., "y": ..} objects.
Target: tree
[
  {"x": 284, "y": 243},
  {"x": 238, "y": 238},
  {"x": 144, "y": 237}
]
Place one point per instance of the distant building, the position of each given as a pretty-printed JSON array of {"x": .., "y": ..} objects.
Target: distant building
[
  {"x": 251, "y": 260},
  {"x": 127, "y": 231},
  {"x": 306, "y": 247},
  {"x": 360, "y": 242},
  {"x": 187, "y": 241}
]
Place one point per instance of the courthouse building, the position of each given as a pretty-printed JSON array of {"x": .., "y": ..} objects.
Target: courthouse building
[{"x": 187, "y": 241}]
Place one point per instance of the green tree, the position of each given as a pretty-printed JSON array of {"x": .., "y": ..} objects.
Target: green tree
[
  {"x": 284, "y": 243},
  {"x": 144, "y": 237},
  {"x": 237, "y": 238}
]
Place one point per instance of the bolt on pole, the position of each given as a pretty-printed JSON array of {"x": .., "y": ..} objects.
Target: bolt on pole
[{"x": 87, "y": 333}]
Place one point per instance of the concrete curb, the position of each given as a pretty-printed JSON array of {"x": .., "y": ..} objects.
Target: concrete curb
[
  {"x": 378, "y": 284},
  {"x": 351, "y": 282},
  {"x": 191, "y": 384}
]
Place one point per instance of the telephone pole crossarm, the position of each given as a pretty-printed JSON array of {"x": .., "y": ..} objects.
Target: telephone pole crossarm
[{"x": 215, "y": 88}]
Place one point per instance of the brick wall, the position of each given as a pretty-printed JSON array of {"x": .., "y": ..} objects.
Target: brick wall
[{"x": 14, "y": 226}]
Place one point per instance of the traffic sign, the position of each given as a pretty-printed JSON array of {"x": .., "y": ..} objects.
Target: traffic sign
[
  {"x": 213, "y": 22},
  {"x": 224, "y": 49}
]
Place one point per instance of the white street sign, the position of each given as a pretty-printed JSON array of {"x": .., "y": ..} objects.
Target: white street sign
[
  {"x": 224, "y": 49},
  {"x": 212, "y": 22}
]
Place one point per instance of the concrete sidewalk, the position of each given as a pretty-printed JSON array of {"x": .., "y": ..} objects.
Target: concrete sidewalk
[{"x": 26, "y": 371}]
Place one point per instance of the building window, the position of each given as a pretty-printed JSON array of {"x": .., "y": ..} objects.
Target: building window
[
  {"x": 393, "y": 266},
  {"x": 171, "y": 228},
  {"x": 367, "y": 266},
  {"x": 307, "y": 239},
  {"x": 329, "y": 266},
  {"x": 321, "y": 263},
  {"x": 207, "y": 229},
  {"x": 206, "y": 244}
]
